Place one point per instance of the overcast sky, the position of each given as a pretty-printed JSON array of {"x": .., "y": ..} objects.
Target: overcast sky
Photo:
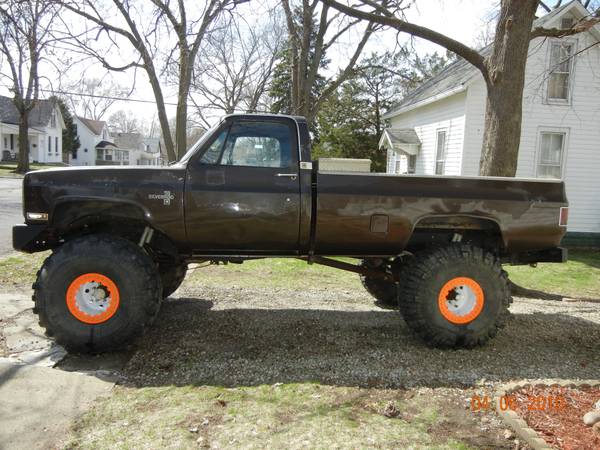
[{"x": 461, "y": 19}]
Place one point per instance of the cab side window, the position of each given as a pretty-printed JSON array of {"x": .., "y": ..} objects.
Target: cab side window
[
  {"x": 213, "y": 153},
  {"x": 258, "y": 144}
]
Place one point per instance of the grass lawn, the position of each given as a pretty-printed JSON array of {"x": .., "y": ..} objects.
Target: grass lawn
[
  {"x": 578, "y": 278},
  {"x": 305, "y": 415},
  {"x": 8, "y": 169},
  {"x": 277, "y": 273}
]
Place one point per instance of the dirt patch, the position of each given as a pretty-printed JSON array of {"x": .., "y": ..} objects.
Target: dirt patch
[
  {"x": 556, "y": 414},
  {"x": 3, "y": 346},
  {"x": 481, "y": 429}
]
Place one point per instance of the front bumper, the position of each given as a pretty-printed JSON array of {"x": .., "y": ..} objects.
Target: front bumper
[{"x": 30, "y": 238}]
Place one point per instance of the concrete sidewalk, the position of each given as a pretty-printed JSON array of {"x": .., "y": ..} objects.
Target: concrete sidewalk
[{"x": 38, "y": 404}]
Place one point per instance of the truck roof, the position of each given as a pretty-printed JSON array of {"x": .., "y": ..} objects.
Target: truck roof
[{"x": 259, "y": 115}]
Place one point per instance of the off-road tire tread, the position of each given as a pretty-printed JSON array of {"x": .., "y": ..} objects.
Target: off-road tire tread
[
  {"x": 378, "y": 292},
  {"x": 418, "y": 271},
  {"x": 172, "y": 277},
  {"x": 122, "y": 249}
]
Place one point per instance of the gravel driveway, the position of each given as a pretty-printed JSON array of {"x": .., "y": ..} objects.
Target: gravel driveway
[{"x": 249, "y": 336}]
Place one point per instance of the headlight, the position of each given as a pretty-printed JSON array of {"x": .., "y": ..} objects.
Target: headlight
[{"x": 37, "y": 216}]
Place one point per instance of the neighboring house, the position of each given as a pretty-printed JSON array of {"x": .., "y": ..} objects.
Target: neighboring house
[
  {"x": 99, "y": 147},
  {"x": 142, "y": 151},
  {"x": 438, "y": 128},
  {"x": 95, "y": 143},
  {"x": 45, "y": 131}
]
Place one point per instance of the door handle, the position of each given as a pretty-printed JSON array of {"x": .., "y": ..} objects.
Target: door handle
[{"x": 293, "y": 176}]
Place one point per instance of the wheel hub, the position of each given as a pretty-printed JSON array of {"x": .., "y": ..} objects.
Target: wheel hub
[
  {"x": 461, "y": 300},
  {"x": 93, "y": 298}
]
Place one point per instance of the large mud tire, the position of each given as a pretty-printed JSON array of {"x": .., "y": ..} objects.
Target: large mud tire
[
  {"x": 454, "y": 296},
  {"x": 172, "y": 276},
  {"x": 124, "y": 275},
  {"x": 383, "y": 291}
]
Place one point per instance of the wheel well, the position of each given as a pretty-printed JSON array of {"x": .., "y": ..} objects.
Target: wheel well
[
  {"x": 439, "y": 230},
  {"x": 160, "y": 247}
]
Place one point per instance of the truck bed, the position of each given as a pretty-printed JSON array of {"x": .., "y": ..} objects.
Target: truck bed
[{"x": 377, "y": 213}]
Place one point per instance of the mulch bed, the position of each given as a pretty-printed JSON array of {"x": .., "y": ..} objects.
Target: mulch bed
[{"x": 556, "y": 413}]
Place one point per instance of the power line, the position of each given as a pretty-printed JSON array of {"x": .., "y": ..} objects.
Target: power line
[{"x": 107, "y": 97}]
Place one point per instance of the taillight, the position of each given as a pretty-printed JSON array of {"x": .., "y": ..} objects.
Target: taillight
[{"x": 564, "y": 216}]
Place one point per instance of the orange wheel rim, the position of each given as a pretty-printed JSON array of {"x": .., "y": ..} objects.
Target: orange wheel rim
[
  {"x": 93, "y": 298},
  {"x": 461, "y": 300}
]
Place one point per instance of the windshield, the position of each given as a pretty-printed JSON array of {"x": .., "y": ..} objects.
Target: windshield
[{"x": 198, "y": 144}]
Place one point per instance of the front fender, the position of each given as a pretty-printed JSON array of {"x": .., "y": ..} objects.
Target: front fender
[{"x": 71, "y": 210}]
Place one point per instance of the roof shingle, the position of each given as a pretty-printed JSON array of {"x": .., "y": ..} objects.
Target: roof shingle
[{"x": 38, "y": 117}]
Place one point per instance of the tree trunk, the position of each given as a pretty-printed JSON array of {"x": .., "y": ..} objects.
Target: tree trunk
[
  {"x": 181, "y": 125},
  {"x": 505, "y": 79},
  {"x": 23, "y": 160}
]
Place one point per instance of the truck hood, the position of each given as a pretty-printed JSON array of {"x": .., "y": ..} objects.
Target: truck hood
[{"x": 44, "y": 190}]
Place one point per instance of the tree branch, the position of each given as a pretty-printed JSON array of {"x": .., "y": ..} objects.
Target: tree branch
[{"x": 466, "y": 52}]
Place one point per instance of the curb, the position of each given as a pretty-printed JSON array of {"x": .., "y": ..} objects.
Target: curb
[{"x": 518, "y": 424}]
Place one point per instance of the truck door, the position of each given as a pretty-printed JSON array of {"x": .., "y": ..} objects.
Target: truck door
[{"x": 243, "y": 191}]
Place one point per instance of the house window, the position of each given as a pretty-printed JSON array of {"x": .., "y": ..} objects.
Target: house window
[
  {"x": 440, "y": 152},
  {"x": 49, "y": 144},
  {"x": 412, "y": 164},
  {"x": 53, "y": 120},
  {"x": 560, "y": 70},
  {"x": 74, "y": 153},
  {"x": 126, "y": 155},
  {"x": 56, "y": 145},
  {"x": 566, "y": 23},
  {"x": 397, "y": 166},
  {"x": 99, "y": 154},
  {"x": 5, "y": 142},
  {"x": 552, "y": 148}
]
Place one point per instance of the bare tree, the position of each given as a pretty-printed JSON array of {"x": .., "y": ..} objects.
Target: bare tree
[
  {"x": 503, "y": 69},
  {"x": 124, "y": 122},
  {"x": 235, "y": 66},
  {"x": 93, "y": 97},
  {"x": 142, "y": 29},
  {"x": 309, "y": 42},
  {"x": 25, "y": 34}
]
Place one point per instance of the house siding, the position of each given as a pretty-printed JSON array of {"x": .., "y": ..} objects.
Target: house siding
[
  {"x": 88, "y": 140},
  {"x": 580, "y": 120},
  {"x": 447, "y": 114},
  {"x": 55, "y": 135}
]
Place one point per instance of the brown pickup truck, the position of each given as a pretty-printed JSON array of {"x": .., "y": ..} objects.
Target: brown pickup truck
[{"x": 121, "y": 237}]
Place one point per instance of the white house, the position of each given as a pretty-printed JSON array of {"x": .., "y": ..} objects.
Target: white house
[
  {"x": 142, "y": 151},
  {"x": 94, "y": 139},
  {"x": 45, "y": 131},
  {"x": 100, "y": 147},
  {"x": 438, "y": 128}
]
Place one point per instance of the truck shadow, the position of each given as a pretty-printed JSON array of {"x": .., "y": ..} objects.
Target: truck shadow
[{"x": 196, "y": 343}]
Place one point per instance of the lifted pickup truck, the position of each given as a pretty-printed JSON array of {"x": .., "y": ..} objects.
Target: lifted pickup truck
[{"x": 121, "y": 237}]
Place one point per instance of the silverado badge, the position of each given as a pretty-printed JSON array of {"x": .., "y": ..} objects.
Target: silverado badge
[{"x": 166, "y": 197}]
